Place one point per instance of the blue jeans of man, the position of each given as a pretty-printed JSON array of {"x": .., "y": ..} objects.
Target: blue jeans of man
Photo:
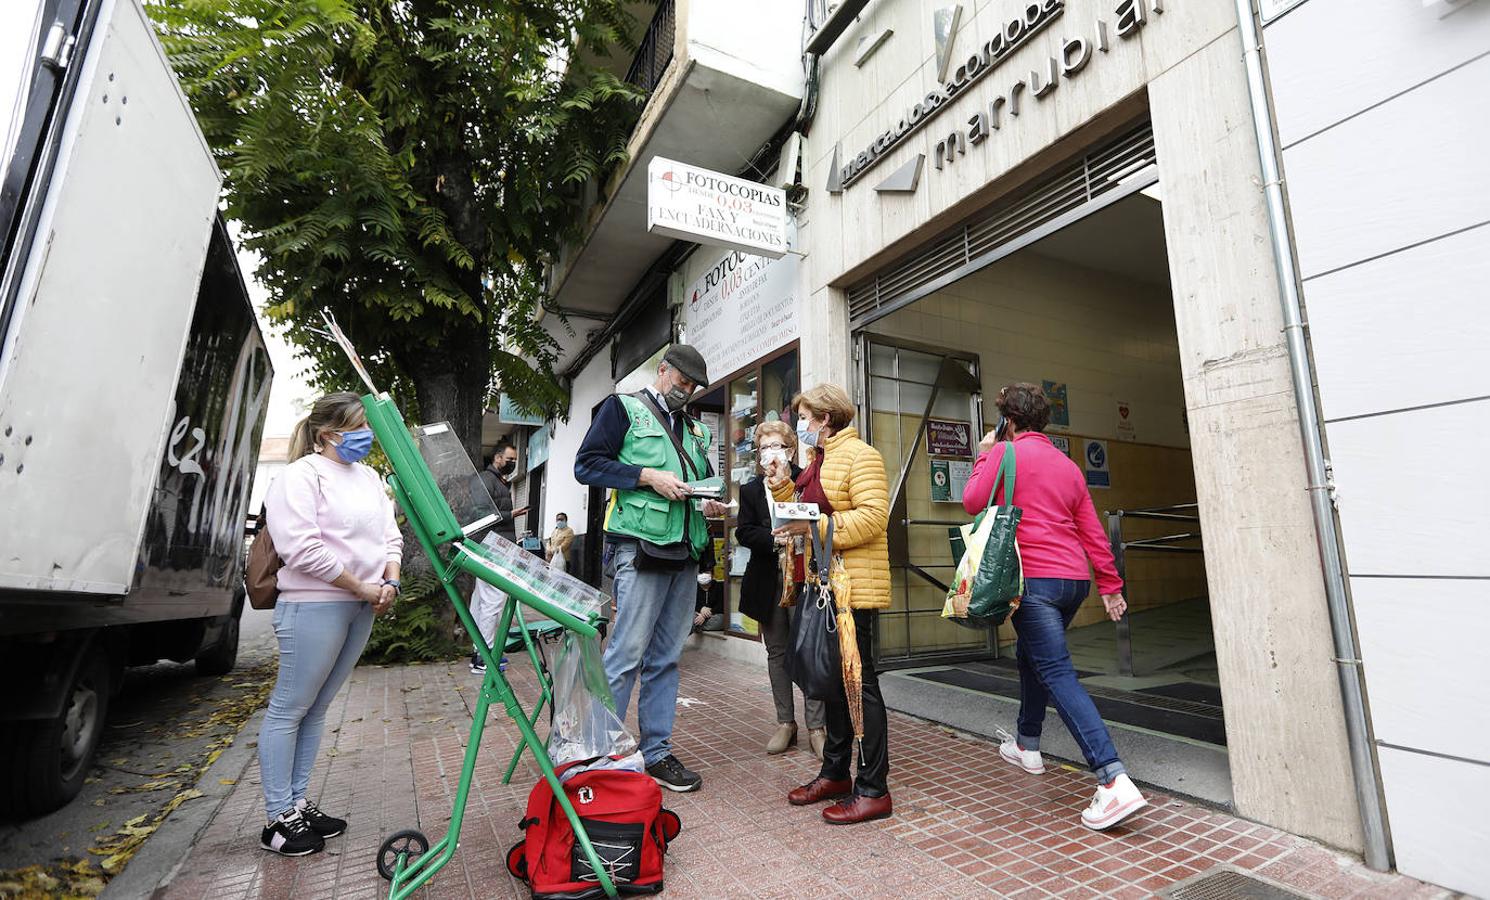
[
  {"x": 319, "y": 643},
  {"x": 654, "y": 614},
  {"x": 1046, "y": 673}
]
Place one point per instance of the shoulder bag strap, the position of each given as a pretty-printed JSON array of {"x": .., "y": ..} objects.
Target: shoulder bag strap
[
  {"x": 651, "y": 403},
  {"x": 1004, "y": 477},
  {"x": 822, "y": 550}
]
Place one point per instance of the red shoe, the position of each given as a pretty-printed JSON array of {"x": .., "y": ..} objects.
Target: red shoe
[
  {"x": 817, "y": 790},
  {"x": 858, "y": 809}
]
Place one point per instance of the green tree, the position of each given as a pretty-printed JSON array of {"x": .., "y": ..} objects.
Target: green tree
[{"x": 410, "y": 165}]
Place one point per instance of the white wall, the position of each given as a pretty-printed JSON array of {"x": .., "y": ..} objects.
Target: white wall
[
  {"x": 759, "y": 41},
  {"x": 1384, "y": 142},
  {"x": 562, "y": 493}
]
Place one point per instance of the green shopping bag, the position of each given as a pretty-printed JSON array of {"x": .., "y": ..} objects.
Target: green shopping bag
[{"x": 989, "y": 579}]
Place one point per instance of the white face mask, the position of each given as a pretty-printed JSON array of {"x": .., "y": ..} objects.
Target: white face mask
[{"x": 773, "y": 454}]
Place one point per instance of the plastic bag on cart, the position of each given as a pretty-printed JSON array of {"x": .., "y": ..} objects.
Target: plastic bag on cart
[{"x": 585, "y": 724}]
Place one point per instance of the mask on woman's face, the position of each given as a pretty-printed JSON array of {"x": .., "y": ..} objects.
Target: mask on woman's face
[
  {"x": 773, "y": 455},
  {"x": 562, "y": 523},
  {"x": 355, "y": 445},
  {"x": 805, "y": 437}
]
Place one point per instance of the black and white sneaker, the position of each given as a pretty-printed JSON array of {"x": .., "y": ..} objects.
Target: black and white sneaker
[
  {"x": 322, "y": 824},
  {"x": 670, "y": 773},
  {"x": 290, "y": 835},
  {"x": 478, "y": 665}
]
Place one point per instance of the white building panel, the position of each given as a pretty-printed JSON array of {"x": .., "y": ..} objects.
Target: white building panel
[
  {"x": 1330, "y": 59},
  {"x": 1414, "y": 493},
  {"x": 1408, "y": 628},
  {"x": 1438, "y": 828},
  {"x": 1408, "y": 329},
  {"x": 1404, "y": 172}
]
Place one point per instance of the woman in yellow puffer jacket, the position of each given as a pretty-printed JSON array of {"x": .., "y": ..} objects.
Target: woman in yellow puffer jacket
[{"x": 846, "y": 477}]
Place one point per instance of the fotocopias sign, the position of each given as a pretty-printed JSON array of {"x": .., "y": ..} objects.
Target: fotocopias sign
[{"x": 693, "y": 204}]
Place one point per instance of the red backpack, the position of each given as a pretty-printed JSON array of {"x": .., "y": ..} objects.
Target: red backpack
[{"x": 623, "y": 815}]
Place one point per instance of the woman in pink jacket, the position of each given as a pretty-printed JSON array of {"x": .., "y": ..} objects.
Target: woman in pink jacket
[
  {"x": 1058, "y": 534},
  {"x": 332, "y": 524}
]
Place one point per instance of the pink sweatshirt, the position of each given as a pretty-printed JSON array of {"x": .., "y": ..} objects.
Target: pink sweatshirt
[
  {"x": 326, "y": 516},
  {"x": 1059, "y": 530}
]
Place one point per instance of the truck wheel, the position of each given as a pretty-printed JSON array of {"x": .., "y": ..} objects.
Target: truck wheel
[
  {"x": 220, "y": 658},
  {"x": 49, "y": 758}
]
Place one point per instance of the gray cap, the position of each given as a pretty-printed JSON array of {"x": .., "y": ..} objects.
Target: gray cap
[{"x": 688, "y": 361}]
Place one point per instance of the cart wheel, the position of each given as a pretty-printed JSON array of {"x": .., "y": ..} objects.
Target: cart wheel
[{"x": 408, "y": 841}]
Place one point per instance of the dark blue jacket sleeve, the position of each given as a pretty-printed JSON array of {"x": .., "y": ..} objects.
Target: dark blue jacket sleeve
[{"x": 596, "y": 464}]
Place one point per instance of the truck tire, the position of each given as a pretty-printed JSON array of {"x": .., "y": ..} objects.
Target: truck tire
[
  {"x": 221, "y": 657},
  {"x": 45, "y": 761}
]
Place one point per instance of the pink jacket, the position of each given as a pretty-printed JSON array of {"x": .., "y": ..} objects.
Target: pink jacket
[
  {"x": 1059, "y": 531},
  {"x": 326, "y": 516}
]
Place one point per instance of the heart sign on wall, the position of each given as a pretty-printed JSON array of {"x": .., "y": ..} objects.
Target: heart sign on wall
[{"x": 1125, "y": 430}]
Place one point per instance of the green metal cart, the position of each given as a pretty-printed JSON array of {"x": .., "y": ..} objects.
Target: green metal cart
[{"x": 406, "y": 857}]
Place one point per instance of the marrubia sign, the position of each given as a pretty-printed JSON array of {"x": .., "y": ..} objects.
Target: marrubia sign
[{"x": 693, "y": 204}]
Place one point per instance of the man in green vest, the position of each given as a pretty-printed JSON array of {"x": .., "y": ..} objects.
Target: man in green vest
[{"x": 646, "y": 449}]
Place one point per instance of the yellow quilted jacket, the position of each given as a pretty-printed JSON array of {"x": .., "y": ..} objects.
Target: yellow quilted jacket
[{"x": 854, "y": 480}]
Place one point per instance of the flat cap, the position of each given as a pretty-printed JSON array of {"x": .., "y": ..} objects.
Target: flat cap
[{"x": 688, "y": 361}]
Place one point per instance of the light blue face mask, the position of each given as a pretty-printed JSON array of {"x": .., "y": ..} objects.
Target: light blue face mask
[
  {"x": 355, "y": 445},
  {"x": 804, "y": 437}
]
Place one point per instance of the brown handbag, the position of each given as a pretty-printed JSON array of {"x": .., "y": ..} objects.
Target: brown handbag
[{"x": 261, "y": 574}]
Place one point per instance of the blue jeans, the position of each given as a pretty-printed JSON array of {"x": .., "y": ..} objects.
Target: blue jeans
[
  {"x": 319, "y": 643},
  {"x": 1046, "y": 673},
  {"x": 654, "y": 614}
]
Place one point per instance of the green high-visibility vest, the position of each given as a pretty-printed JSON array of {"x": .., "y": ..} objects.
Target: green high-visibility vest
[{"x": 643, "y": 513}]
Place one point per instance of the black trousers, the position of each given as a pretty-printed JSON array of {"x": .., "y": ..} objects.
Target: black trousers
[{"x": 838, "y": 750}]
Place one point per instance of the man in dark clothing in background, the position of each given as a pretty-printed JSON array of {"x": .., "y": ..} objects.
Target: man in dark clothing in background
[{"x": 486, "y": 601}]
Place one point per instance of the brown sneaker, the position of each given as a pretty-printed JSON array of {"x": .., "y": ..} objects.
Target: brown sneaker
[
  {"x": 857, "y": 809},
  {"x": 819, "y": 789}
]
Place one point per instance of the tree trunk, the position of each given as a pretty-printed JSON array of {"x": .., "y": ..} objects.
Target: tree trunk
[{"x": 450, "y": 385}]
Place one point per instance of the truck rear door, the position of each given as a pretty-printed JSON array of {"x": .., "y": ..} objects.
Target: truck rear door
[{"x": 99, "y": 295}]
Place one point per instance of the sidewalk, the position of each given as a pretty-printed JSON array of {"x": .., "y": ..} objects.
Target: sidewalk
[{"x": 966, "y": 824}]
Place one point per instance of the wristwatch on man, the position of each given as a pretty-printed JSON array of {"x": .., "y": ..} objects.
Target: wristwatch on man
[{"x": 397, "y": 588}]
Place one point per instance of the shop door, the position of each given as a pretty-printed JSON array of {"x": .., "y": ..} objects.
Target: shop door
[{"x": 923, "y": 412}]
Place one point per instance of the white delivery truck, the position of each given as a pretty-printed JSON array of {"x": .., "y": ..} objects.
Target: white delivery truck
[{"x": 133, "y": 386}]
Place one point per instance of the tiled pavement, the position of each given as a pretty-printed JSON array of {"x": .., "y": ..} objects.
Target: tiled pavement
[{"x": 966, "y": 824}]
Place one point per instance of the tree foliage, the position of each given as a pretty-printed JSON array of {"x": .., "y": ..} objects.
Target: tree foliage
[{"x": 409, "y": 165}]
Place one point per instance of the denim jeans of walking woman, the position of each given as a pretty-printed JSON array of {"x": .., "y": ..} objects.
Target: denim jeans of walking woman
[
  {"x": 319, "y": 644},
  {"x": 1046, "y": 673}
]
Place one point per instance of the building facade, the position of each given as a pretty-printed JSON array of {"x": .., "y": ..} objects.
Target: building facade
[{"x": 1205, "y": 270}]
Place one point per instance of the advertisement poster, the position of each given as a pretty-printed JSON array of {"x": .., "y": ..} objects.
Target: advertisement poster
[
  {"x": 949, "y": 479},
  {"x": 1095, "y": 463},
  {"x": 945, "y": 437},
  {"x": 1125, "y": 430},
  {"x": 1060, "y": 411},
  {"x": 740, "y": 310}
]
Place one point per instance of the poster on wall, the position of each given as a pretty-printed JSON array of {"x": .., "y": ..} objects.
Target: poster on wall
[
  {"x": 1062, "y": 444},
  {"x": 741, "y": 309},
  {"x": 1125, "y": 430},
  {"x": 1095, "y": 464},
  {"x": 1060, "y": 411},
  {"x": 949, "y": 479},
  {"x": 945, "y": 437}
]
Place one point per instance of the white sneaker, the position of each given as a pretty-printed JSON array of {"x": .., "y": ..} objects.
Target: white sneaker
[
  {"x": 1112, "y": 804},
  {"x": 1029, "y": 760}
]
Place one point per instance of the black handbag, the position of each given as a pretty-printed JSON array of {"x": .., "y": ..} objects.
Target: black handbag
[
  {"x": 652, "y": 557},
  {"x": 815, "y": 661}
]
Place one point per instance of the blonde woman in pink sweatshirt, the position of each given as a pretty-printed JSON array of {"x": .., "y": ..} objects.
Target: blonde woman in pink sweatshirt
[{"x": 332, "y": 524}]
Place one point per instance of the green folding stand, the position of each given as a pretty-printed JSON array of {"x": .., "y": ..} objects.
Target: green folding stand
[{"x": 406, "y": 858}]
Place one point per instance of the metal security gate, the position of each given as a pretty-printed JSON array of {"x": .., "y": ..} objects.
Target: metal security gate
[{"x": 1101, "y": 177}]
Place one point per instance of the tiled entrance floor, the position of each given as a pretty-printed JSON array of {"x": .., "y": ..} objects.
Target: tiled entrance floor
[{"x": 966, "y": 825}]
